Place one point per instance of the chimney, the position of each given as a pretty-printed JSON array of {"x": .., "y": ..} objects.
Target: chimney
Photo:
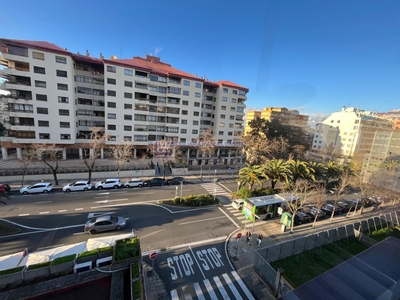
[
  {"x": 101, "y": 56},
  {"x": 87, "y": 53}
]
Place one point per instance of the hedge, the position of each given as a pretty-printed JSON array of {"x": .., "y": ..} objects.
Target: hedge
[
  {"x": 64, "y": 259},
  {"x": 127, "y": 248},
  {"x": 40, "y": 265},
  {"x": 10, "y": 271},
  {"x": 196, "y": 200}
]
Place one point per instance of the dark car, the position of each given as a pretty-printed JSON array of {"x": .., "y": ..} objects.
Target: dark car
[
  {"x": 312, "y": 211},
  {"x": 176, "y": 180},
  {"x": 329, "y": 208},
  {"x": 154, "y": 182},
  {"x": 301, "y": 217},
  {"x": 345, "y": 206},
  {"x": 4, "y": 188}
]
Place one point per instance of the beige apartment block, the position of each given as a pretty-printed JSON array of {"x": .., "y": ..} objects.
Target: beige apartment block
[
  {"x": 57, "y": 97},
  {"x": 393, "y": 115}
]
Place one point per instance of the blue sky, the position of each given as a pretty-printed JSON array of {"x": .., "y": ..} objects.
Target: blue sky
[{"x": 312, "y": 55}]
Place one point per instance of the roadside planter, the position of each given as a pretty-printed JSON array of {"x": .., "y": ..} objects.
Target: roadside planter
[
  {"x": 40, "y": 270},
  {"x": 14, "y": 275},
  {"x": 105, "y": 252},
  {"x": 136, "y": 284},
  {"x": 63, "y": 264},
  {"x": 126, "y": 251},
  {"x": 87, "y": 256}
]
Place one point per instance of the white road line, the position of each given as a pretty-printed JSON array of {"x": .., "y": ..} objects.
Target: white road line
[
  {"x": 42, "y": 202},
  {"x": 234, "y": 223},
  {"x": 174, "y": 295},
  {"x": 204, "y": 277},
  {"x": 232, "y": 287},
  {"x": 221, "y": 288},
  {"x": 116, "y": 200},
  {"x": 197, "y": 221},
  {"x": 147, "y": 193},
  {"x": 104, "y": 193},
  {"x": 225, "y": 187},
  {"x": 78, "y": 208},
  {"x": 23, "y": 215},
  {"x": 79, "y": 233},
  {"x": 186, "y": 293},
  {"x": 242, "y": 285},
  {"x": 63, "y": 210},
  {"x": 210, "y": 290},
  {"x": 198, "y": 243},
  {"x": 44, "y": 212},
  {"x": 198, "y": 291},
  {"x": 101, "y": 201}
]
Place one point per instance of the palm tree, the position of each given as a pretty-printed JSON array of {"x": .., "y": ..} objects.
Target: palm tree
[
  {"x": 332, "y": 171},
  {"x": 250, "y": 175},
  {"x": 319, "y": 170},
  {"x": 300, "y": 169},
  {"x": 276, "y": 170}
]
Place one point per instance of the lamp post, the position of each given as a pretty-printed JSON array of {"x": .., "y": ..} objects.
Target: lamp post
[
  {"x": 180, "y": 200},
  {"x": 238, "y": 186},
  {"x": 215, "y": 184},
  {"x": 176, "y": 191}
]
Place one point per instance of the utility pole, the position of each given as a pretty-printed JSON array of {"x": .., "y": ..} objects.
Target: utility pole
[{"x": 180, "y": 200}]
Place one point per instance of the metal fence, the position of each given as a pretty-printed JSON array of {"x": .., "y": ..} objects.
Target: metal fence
[{"x": 263, "y": 257}]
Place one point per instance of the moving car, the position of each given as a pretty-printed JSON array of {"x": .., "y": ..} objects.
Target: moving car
[
  {"x": 4, "y": 188},
  {"x": 111, "y": 183},
  {"x": 133, "y": 183},
  {"x": 176, "y": 180},
  {"x": 82, "y": 185},
  {"x": 238, "y": 204},
  {"x": 42, "y": 187},
  {"x": 104, "y": 223},
  {"x": 154, "y": 181}
]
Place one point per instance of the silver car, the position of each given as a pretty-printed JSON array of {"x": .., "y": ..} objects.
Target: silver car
[
  {"x": 112, "y": 183},
  {"x": 105, "y": 223}
]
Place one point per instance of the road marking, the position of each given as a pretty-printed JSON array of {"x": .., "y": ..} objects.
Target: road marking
[
  {"x": 198, "y": 291},
  {"x": 186, "y": 293},
  {"x": 101, "y": 201},
  {"x": 116, "y": 200},
  {"x": 147, "y": 193},
  {"x": 44, "y": 212},
  {"x": 221, "y": 288},
  {"x": 105, "y": 193},
  {"x": 78, "y": 233},
  {"x": 242, "y": 285},
  {"x": 229, "y": 217},
  {"x": 174, "y": 295},
  {"x": 210, "y": 290},
  {"x": 204, "y": 277},
  {"x": 63, "y": 210},
  {"x": 225, "y": 187},
  {"x": 42, "y": 202},
  {"x": 78, "y": 208},
  {"x": 198, "y": 243},
  {"x": 232, "y": 286},
  {"x": 23, "y": 215},
  {"x": 197, "y": 221}
]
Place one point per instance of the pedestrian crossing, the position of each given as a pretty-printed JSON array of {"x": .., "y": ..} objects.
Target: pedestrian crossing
[
  {"x": 225, "y": 286},
  {"x": 240, "y": 216},
  {"x": 209, "y": 187}
]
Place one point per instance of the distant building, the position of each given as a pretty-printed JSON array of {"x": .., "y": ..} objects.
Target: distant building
[
  {"x": 284, "y": 115},
  {"x": 393, "y": 115}
]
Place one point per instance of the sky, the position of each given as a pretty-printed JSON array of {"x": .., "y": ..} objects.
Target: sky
[{"x": 311, "y": 55}]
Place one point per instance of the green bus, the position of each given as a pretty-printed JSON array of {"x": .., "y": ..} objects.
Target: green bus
[{"x": 262, "y": 207}]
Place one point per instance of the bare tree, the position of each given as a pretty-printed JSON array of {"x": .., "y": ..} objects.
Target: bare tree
[
  {"x": 93, "y": 150},
  {"x": 340, "y": 190},
  {"x": 319, "y": 196},
  {"x": 121, "y": 153},
  {"x": 259, "y": 149},
  {"x": 206, "y": 145},
  {"x": 50, "y": 156},
  {"x": 29, "y": 156},
  {"x": 366, "y": 187},
  {"x": 296, "y": 196}
]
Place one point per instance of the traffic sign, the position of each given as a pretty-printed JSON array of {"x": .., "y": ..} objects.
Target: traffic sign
[
  {"x": 153, "y": 255},
  {"x": 239, "y": 235}
]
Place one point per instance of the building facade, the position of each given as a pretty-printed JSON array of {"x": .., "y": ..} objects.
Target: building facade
[
  {"x": 57, "y": 97},
  {"x": 393, "y": 115}
]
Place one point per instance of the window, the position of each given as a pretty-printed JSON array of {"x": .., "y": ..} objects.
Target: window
[
  {"x": 225, "y": 90},
  {"x": 42, "y": 110},
  {"x": 39, "y": 83},
  {"x": 231, "y": 125},
  {"x": 127, "y": 138},
  {"x": 234, "y": 92},
  {"x": 61, "y": 60},
  {"x": 220, "y": 133},
  {"x": 196, "y": 113},
  {"x": 111, "y": 69},
  {"x": 355, "y": 127},
  {"x": 111, "y": 127},
  {"x": 233, "y": 100},
  {"x": 141, "y": 117},
  {"x": 128, "y": 95},
  {"x": 112, "y": 104},
  {"x": 154, "y": 78},
  {"x": 38, "y": 55},
  {"x": 43, "y": 123},
  {"x": 127, "y": 128},
  {"x": 184, "y": 122},
  {"x": 128, "y": 72},
  {"x": 39, "y": 70},
  {"x": 230, "y": 133},
  {"x": 197, "y": 95},
  {"x": 185, "y": 93},
  {"x": 63, "y": 87},
  {"x": 240, "y": 109},
  {"x": 111, "y": 81},
  {"x": 127, "y": 106},
  {"x": 61, "y": 73},
  {"x": 162, "y": 79},
  {"x": 111, "y": 116},
  {"x": 195, "y": 122},
  {"x": 141, "y": 74},
  {"x": 140, "y": 138},
  {"x": 184, "y": 112},
  {"x": 221, "y": 124},
  {"x": 197, "y": 104},
  {"x": 183, "y": 130},
  {"x": 182, "y": 140},
  {"x": 162, "y": 89},
  {"x": 127, "y": 117},
  {"x": 44, "y": 136},
  {"x": 173, "y": 90},
  {"x": 233, "y": 109},
  {"x": 112, "y": 138},
  {"x": 111, "y": 93},
  {"x": 40, "y": 97},
  {"x": 225, "y": 99},
  {"x": 63, "y": 112},
  {"x": 223, "y": 107},
  {"x": 63, "y": 99},
  {"x": 198, "y": 85},
  {"x": 128, "y": 83},
  {"x": 231, "y": 117},
  {"x": 65, "y": 136},
  {"x": 64, "y": 125},
  {"x": 185, "y": 102},
  {"x": 222, "y": 116},
  {"x": 195, "y": 131},
  {"x": 153, "y": 89},
  {"x": 242, "y": 93}
]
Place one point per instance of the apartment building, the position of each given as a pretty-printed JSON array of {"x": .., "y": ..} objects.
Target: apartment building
[
  {"x": 286, "y": 116},
  {"x": 349, "y": 132},
  {"x": 393, "y": 115},
  {"x": 57, "y": 97}
]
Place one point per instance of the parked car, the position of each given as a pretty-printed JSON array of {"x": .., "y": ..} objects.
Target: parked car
[
  {"x": 329, "y": 208},
  {"x": 82, "y": 185},
  {"x": 312, "y": 211},
  {"x": 104, "y": 223},
  {"x": 301, "y": 217},
  {"x": 154, "y": 181},
  {"x": 42, "y": 187},
  {"x": 176, "y": 180},
  {"x": 108, "y": 184},
  {"x": 344, "y": 206},
  {"x": 238, "y": 204},
  {"x": 133, "y": 183},
  {"x": 4, "y": 188}
]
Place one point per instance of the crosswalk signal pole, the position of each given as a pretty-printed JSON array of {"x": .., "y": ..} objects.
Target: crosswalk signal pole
[{"x": 180, "y": 200}]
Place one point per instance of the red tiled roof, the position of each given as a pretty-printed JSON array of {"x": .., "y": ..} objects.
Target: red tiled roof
[
  {"x": 90, "y": 59},
  {"x": 231, "y": 84},
  {"x": 36, "y": 45}
]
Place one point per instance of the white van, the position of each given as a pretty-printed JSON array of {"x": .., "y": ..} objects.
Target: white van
[{"x": 238, "y": 204}]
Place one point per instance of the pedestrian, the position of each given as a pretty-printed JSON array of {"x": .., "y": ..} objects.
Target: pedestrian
[
  {"x": 248, "y": 235},
  {"x": 259, "y": 239}
]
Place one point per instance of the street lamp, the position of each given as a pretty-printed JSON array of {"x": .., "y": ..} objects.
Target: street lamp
[
  {"x": 176, "y": 191},
  {"x": 238, "y": 186},
  {"x": 215, "y": 184}
]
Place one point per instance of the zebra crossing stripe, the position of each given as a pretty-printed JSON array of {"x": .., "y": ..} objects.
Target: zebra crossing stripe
[
  {"x": 210, "y": 290},
  {"x": 221, "y": 288},
  {"x": 232, "y": 287},
  {"x": 174, "y": 295},
  {"x": 242, "y": 285},
  {"x": 185, "y": 293},
  {"x": 198, "y": 291}
]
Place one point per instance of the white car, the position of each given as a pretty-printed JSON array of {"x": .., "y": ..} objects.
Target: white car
[
  {"x": 82, "y": 185},
  {"x": 42, "y": 187},
  {"x": 108, "y": 184},
  {"x": 133, "y": 183},
  {"x": 238, "y": 204}
]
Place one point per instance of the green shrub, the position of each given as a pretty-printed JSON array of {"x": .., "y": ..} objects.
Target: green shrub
[
  {"x": 244, "y": 193},
  {"x": 135, "y": 270},
  {"x": 195, "y": 200},
  {"x": 40, "y": 265},
  {"x": 105, "y": 249},
  {"x": 10, "y": 271},
  {"x": 64, "y": 259},
  {"x": 88, "y": 253},
  {"x": 264, "y": 192},
  {"x": 127, "y": 248},
  {"x": 136, "y": 290}
]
